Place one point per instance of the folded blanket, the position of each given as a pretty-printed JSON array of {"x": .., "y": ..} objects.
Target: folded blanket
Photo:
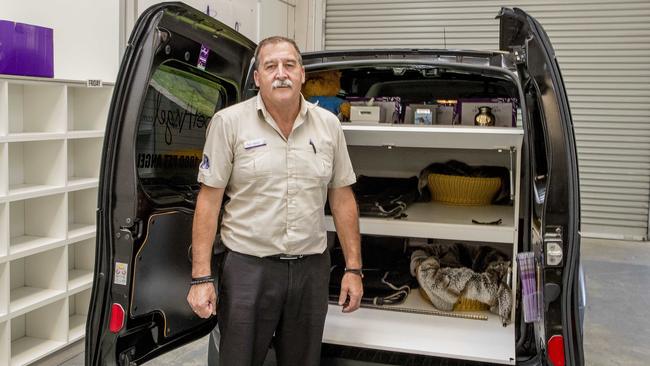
[{"x": 444, "y": 285}]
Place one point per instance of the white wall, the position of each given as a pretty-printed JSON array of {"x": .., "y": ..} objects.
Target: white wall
[
  {"x": 309, "y": 24},
  {"x": 277, "y": 18},
  {"x": 85, "y": 34}
]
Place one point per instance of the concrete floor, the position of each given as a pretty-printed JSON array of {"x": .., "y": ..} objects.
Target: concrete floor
[{"x": 617, "y": 329}]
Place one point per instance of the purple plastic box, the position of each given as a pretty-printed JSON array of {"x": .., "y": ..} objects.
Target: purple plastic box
[{"x": 26, "y": 49}]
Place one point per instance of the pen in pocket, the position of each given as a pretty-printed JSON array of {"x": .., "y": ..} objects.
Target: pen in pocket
[{"x": 312, "y": 145}]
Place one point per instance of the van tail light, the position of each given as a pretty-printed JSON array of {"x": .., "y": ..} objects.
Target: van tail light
[
  {"x": 556, "y": 350},
  {"x": 117, "y": 318}
]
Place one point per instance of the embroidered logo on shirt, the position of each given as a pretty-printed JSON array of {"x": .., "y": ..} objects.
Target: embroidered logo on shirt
[
  {"x": 254, "y": 143},
  {"x": 205, "y": 163}
]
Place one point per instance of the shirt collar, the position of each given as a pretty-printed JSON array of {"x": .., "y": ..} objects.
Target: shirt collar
[{"x": 301, "y": 115}]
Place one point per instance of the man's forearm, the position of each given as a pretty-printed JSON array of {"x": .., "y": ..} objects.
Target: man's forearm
[
  {"x": 204, "y": 229},
  {"x": 346, "y": 220}
]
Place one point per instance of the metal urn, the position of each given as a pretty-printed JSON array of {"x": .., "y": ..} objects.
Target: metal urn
[{"x": 484, "y": 117}]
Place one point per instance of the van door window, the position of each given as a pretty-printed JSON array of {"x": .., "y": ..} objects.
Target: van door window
[{"x": 179, "y": 104}]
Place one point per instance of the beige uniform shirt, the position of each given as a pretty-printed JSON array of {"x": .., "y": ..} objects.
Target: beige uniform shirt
[{"x": 277, "y": 186}]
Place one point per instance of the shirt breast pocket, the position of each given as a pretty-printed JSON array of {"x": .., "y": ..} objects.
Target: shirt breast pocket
[
  {"x": 315, "y": 165},
  {"x": 253, "y": 163}
]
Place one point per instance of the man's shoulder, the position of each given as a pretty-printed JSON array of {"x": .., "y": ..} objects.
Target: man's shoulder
[{"x": 235, "y": 111}]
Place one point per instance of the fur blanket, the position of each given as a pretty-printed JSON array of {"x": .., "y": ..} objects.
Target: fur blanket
[{"x": 445, "y": 273}]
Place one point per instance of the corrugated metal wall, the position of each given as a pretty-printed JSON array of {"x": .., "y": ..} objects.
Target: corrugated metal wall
[{"x": 604, "y": 52}]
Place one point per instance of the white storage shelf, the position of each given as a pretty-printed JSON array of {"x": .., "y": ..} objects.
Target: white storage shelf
[
  {"x": 36, "y": 167},
  {"x": 5, "y": 341},
  {"x": 36, "y": 280},
  {"x": 88, "y": 109},
  {"x": 433, "y": 335},
  {"x": 4, "y": 167},
  {"x": 83, "y": 157},
  {"x": 79, "y": 304},
  {"x": 36, "y": 111},
  {"x": 4, "y": 231},
  {"x": 36, "y": 224},
  {"x": 39, "y": 333},
  {"x": 4, "y": 290},
  {"x": 51, "y": 134},
  {"x": 82, "y": 206},
  {"x": 81, "y": 259},
  {"x": 438, "y": 221}
]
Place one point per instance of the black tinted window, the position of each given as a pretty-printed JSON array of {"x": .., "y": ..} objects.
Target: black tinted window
[{"x": 179, "y": 104}]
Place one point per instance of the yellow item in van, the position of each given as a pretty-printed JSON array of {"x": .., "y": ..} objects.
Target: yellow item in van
[{"x": 463, "y": 191}]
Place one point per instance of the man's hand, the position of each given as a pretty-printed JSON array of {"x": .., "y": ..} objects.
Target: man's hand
[
  {"x": 203, "y": 300},
  {"x": 351, "y": 292}
]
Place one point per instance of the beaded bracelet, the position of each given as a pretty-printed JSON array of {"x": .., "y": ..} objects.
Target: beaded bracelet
[
  {"x": 356, "y": 271},
  {"x": 200, "y": 280}
]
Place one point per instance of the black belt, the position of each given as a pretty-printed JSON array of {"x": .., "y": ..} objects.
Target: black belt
[{"x": 286, "y": 257}]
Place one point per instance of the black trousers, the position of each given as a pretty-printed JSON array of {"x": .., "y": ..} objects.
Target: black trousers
[{"x": 271, "y": 300}]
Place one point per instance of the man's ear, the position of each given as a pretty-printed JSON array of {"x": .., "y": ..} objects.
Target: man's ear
[
  {"x": 302, "y": 81},
  {"x": 257, "y": 78}
]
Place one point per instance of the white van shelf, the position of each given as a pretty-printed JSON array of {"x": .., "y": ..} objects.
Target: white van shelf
[
  {"x": 443, "y": 137},
  {"x": 437, "y": 221},
  {"x": 432, "y": 335}
]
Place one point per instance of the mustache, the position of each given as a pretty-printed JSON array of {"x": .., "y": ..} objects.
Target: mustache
[{"x": 286, "y": 83}]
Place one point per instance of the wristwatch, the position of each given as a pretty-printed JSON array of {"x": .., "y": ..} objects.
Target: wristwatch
[{"x": 356, "y": 271}]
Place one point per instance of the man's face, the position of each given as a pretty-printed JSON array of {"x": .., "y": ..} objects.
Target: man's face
[{"x": 279, "y": 75}]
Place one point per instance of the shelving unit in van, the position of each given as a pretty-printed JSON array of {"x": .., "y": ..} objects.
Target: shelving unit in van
[
  {"x": 403, "y": 151},
  {"x": 51, "y": 134}
]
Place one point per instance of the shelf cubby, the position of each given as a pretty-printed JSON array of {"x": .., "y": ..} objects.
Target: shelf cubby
[
  {"x": 4, "y": 169},
  {"x": 81, "y": 260},
  {"x": 88, "y": 108},
  {"x": 36, "y": 167},
  {"x": 4, "y": 230},
  {"x": 36, "y": 224},
  {"x": 82, "y": 207},
  {"x": 38, "y": 333},
  {"x": 4, "y": 106},
  {"x": 5, "y": 338},
  {"x": 36, "y": 279},
  {"x": 79, "y": 304},
  {"x": 35, "y": 109},
  {"x": 84, "y": 155},
  {"x": 4, "y": 289}
]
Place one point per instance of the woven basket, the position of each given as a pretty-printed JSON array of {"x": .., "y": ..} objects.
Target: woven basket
[
  {"x": 462, "y": 304},
  {"x": 463, "y": 191}
]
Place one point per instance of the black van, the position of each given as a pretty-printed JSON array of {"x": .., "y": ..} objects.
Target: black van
[{"x": 181, "y": 66}]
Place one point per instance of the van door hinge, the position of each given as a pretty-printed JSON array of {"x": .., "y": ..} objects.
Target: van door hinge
[
  {"x": 554, "y": 246},
  {"x": 520, "y": 54},
  {"x": 132, "y": 228}
]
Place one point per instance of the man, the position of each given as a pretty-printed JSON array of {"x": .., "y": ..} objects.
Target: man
[{"x": 277, "y": 157}]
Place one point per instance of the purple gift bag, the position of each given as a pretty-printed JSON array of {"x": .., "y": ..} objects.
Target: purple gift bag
[{"x": 527, "y": 274}]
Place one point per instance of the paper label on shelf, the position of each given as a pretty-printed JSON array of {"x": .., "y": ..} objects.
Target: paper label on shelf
[
  {"x": 120, "y": 273},
  {"x": 94, "y": 83}
]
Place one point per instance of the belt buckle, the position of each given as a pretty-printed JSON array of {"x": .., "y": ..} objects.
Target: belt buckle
[{"x": 289, "y": 257}]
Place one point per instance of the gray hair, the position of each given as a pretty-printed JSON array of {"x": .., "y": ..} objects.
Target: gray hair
[{"x": 275, "y": 40}]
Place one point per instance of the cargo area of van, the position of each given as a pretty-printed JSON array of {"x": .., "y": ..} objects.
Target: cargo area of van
[{"x": 419, "y": 126}]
